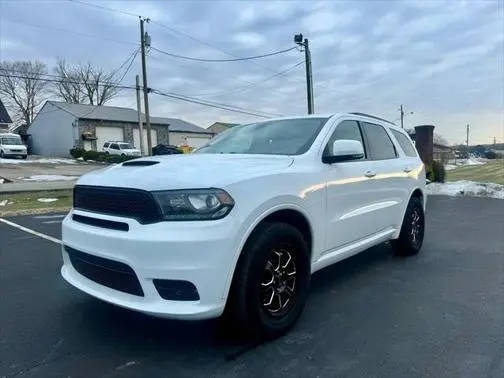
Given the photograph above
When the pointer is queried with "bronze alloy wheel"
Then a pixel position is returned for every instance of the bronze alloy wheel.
(278, 285)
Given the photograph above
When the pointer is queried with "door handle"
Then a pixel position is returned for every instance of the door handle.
(407, 169)
(370, 174)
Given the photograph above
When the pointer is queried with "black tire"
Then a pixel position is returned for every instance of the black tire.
(2, 154)
(412, 230)
(107, 153)
(246, 310)
(24, 157)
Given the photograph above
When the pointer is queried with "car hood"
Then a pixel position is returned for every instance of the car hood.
(14, 146)
(187, 171)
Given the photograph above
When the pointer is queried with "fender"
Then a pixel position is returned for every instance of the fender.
(250, 229)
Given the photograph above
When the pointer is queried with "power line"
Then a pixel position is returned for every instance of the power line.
(206, 104)
(105, 8)
(101, 84)
(67, 31)
(177, 96)
(222, 60)
(246, 87)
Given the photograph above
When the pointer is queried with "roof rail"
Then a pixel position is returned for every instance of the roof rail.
(372, 116)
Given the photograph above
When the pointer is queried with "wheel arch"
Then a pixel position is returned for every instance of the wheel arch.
(289, 213)
(418, 193)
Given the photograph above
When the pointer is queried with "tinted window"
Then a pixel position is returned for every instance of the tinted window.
(281, 137)
(345, 130)
(105, 145)
(379, 143)
(405, 143)
(114, 146)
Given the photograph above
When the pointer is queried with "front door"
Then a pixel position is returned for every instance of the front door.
(350, 192)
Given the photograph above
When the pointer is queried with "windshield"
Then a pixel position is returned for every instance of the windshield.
(125, 146)
(282, 137)
(13, 141)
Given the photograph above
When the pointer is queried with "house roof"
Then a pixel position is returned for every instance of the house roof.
(224, 124)
(114, 113)
(4, 116)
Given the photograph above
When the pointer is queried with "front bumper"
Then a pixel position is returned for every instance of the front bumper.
(200, 252)
(15, 153)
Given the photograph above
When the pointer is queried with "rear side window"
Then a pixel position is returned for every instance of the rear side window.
(405, 143)
(345, 130)
(114, 146)
(379, 144)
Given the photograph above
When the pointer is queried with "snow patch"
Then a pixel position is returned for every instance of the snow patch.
(38, 161)
(466, 188)
(47, 199)
(4, 202)
(49, 178)
(1, 180)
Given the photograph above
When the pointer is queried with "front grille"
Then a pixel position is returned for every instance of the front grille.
(110, 273)
(122, 202)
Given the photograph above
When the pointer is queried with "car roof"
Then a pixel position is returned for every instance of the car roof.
(355, 115)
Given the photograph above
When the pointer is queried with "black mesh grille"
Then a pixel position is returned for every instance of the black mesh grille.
(123, 202)
(110, 273)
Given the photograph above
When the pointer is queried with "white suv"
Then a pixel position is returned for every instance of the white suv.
(120, 148)
(238, 227)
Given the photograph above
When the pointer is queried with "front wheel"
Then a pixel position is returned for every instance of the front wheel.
(412, 230)
(24, 157)
(271, 281)
(2, 154)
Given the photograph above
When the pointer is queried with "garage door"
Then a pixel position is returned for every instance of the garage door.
(105, 134)
(197, 142)
(136, 138)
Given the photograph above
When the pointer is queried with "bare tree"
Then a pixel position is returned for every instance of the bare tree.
(69, 88)
(85, 84)
(22, 85)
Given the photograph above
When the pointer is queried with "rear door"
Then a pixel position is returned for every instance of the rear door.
(389, 189)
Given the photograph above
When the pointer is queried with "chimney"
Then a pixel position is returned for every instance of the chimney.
(424, 140)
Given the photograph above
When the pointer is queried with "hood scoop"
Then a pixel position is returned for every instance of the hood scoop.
(140, 163)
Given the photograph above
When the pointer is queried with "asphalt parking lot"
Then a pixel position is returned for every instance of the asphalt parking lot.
(438, 314)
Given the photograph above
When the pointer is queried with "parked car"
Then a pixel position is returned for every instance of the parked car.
(12, 145)
(238, 227)
(165, 149)
(120, 148)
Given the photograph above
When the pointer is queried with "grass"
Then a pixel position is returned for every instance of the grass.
(27, 202)
(493, 171)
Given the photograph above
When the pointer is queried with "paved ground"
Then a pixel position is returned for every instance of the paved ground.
(16, 169)
(439, 314)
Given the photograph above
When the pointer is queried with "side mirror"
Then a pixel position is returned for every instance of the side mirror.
(344, 150)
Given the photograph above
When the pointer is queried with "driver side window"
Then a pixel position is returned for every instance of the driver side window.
(346, 130)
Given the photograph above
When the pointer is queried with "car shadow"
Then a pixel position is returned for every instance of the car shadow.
(100, 323)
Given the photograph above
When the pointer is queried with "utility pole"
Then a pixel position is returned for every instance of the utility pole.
(402, 117)
(144, 37)
(298, 38)
(467, 140)
(139, 111)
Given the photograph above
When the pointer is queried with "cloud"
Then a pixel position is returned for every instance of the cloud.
(249, 40)
(442, 59)
(325, 20)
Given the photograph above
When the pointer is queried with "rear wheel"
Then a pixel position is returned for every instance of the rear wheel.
(412, 230)
(271, 281)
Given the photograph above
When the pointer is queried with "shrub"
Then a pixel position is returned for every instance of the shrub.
(94, 155)
(77, 152)
(435, 171)
(115, 159)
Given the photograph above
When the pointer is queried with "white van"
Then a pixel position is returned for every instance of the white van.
(12, 145)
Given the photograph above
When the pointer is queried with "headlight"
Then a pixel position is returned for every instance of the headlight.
(194, 204)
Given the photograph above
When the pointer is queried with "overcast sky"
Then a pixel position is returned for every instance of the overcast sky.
(442, 60)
